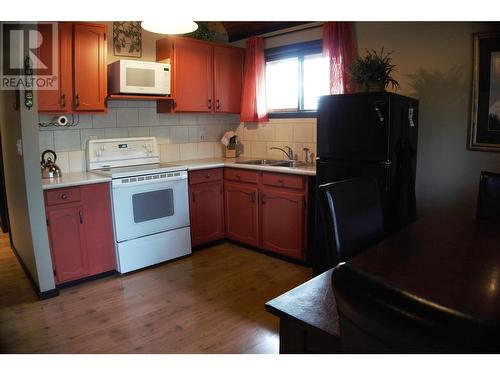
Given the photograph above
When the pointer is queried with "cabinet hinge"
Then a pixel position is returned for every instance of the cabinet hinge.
(47, 219)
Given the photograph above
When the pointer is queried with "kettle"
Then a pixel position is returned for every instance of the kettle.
(49, 167)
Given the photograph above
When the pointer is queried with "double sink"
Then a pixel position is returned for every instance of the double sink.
(274, 163)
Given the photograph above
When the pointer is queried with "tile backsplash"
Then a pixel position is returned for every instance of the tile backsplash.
(298, 133)
(180, 136)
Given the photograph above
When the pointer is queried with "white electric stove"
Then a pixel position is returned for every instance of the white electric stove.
(150, 201)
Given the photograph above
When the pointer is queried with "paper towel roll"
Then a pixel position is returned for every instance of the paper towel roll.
(62, 120)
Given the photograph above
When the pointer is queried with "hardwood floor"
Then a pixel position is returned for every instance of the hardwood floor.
(210, 302)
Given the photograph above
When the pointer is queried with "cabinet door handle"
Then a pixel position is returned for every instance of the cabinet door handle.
(263, 199)
(77, 100)
(209, 103)
(81, 216)
(280, 181)
(253, 195)
(207, 176)
(193, 197)
(238, 176)
(217, 104)
(64, 196)
(63, 100)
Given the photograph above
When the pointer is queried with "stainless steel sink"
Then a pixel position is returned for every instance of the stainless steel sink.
(260, 162)
(290, 164)
(274, 163)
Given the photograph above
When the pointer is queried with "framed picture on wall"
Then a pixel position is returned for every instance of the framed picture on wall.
(127, 39)
(484, 131)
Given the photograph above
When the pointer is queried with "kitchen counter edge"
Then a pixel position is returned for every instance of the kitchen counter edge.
(200, 164)
(73, 179)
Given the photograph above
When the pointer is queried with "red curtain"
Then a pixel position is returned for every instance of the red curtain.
(253, 98)
(339, 45)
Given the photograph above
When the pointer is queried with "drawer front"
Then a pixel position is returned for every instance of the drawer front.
(241, 175)
(283, 180)
(205, 175)
(60, 196)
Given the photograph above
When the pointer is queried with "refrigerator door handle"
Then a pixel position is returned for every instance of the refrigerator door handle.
(379, 114)
(410, 117)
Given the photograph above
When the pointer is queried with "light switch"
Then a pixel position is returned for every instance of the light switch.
(19, 146)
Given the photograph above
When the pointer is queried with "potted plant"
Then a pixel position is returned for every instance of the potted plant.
(373, 72)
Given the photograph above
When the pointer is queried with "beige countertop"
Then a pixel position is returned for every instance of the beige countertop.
(194, 165)
(73, 179)
(84, 178)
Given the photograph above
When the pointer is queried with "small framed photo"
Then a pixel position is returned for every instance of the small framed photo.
(484, 129)
(127, 39)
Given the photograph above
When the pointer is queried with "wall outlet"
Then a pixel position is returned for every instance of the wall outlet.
(202, 134)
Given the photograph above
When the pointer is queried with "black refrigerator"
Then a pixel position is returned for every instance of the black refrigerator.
(368, 134)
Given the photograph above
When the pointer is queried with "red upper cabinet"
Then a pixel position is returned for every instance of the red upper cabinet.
(228, 76)
(206, 77)
(192, 73)
(89, 67)
(82, 81)
(58, 100)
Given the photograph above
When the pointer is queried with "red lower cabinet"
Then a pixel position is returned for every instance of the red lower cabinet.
(80, 231)
(260, 209)
(241, 213)
(283, 217)
(206, 212)
(98, 228)
(67, 244)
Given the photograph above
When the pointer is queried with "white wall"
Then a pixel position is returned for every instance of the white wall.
(434, 64)
(24, 191)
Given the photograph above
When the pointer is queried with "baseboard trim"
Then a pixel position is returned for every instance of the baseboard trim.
(299, 262)
(48, 294)
(41, 295)
(86, 279)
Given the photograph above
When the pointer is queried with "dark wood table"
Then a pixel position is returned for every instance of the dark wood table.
(451, 261)
(448, 260)
(308, 317)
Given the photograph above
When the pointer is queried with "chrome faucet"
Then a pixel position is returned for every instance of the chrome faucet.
(289, 153)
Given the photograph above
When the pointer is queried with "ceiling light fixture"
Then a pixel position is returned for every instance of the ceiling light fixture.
(169, 26)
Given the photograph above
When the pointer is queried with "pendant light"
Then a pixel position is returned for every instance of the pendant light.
(169, 26)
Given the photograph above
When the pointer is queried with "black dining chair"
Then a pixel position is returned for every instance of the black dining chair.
(352, 217)
(375, 317)
(488, 203)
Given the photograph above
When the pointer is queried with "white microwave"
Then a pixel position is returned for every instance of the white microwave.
(139, 77)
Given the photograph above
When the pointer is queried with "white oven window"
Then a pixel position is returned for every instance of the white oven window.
(153, 205)
(140, 77)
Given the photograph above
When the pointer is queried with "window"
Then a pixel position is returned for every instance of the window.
(296, 75)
